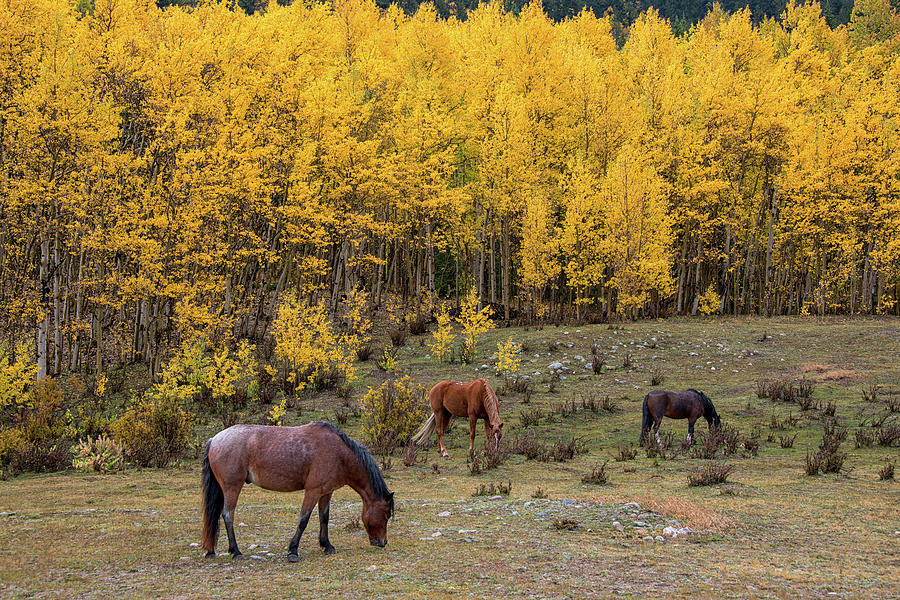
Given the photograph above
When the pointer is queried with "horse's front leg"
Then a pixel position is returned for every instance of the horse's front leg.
(473, 422)
(324, 509)
(690, 437)
(310, 498)
(656, 425)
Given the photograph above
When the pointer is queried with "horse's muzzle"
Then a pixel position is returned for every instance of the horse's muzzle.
(378, 542)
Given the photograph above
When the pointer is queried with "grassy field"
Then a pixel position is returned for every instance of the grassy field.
(769, 531)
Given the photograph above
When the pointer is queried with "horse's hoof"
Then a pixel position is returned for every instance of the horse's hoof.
(330, 550)
(293, 558)
(209, 554)
(444, 455)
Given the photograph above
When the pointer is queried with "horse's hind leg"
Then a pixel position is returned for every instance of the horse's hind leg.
(441, 420)
(309, 501)
(231, 496)
(324, 509)
(656, 425)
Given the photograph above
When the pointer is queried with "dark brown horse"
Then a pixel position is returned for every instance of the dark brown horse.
(689, 404)
(475, 400)
(317, 457)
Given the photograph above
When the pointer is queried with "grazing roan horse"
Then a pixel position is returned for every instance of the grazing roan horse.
(475, 400)
(316, 457)
(689, 404)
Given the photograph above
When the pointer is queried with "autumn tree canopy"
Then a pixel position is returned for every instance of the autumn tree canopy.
(179, 170)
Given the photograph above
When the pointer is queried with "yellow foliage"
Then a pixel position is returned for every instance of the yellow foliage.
(305, 341)
(709, 301)
(392, 413)
(508, 359)
(443, 336)
(474, 322)
(16, 374)
(152, 432)
(277, 412)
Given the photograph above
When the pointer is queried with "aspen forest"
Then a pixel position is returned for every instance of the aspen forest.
(178, 170)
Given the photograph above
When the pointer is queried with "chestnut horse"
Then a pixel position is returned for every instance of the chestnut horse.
(689, 404)
(475, 400)
(316, 457)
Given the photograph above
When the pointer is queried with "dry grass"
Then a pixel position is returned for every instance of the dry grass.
(837, 375)
(699, 518)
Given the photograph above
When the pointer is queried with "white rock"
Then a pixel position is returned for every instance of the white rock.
(660, 538)
(446, 513)
(618, 526)
(670, 531)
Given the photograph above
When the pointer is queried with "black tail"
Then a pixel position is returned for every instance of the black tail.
(213, 502)
(645, 425)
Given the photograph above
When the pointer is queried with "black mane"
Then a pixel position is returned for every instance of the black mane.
(365, 459)
(709, 411)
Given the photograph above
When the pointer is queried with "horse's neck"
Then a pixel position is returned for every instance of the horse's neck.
(490, 406)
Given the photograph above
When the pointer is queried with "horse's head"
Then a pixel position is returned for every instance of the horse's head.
(496, 434)
(375, 518)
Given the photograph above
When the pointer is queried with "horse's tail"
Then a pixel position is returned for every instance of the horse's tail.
(424, 432)
(645, 424)
(213, 502)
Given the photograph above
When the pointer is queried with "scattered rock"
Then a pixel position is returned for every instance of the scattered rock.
(371, 568)
(660, 538)
(446, 513)
(618, 526)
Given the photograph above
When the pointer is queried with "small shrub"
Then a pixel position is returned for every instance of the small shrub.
(539, 493)
(342, 415)
(787, 441)
(656, 377)
(364, 352)
(530, 418)
(388, 360)
(493, 489)
(475, 464)
(398, 337)
(564, 450)
(607, 404)
(806, 403)
(627, 362)
(153, 432)
(42, 456)
(887, 472)
(597, 476)
(870, 393)
(418, 325)
(353, 525)
(597, 361)
(529, 446)
(565, 524)
(392, 413)
(711, 474)
(751, 445)
(624, 453)
(805, 388)
(829, 409)
(864, 438)
(887, 435)
(101, 455)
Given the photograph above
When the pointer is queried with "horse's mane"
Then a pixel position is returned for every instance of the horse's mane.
(489, 399)
(708, 409)
(379, 486)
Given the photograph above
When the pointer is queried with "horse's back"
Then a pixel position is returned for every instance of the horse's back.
(276, 458)
(456, 397)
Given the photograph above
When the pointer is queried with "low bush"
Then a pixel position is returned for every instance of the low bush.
(712, 474)
(597, 476)
(391, 413)
(152, 432)
(101, 454)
